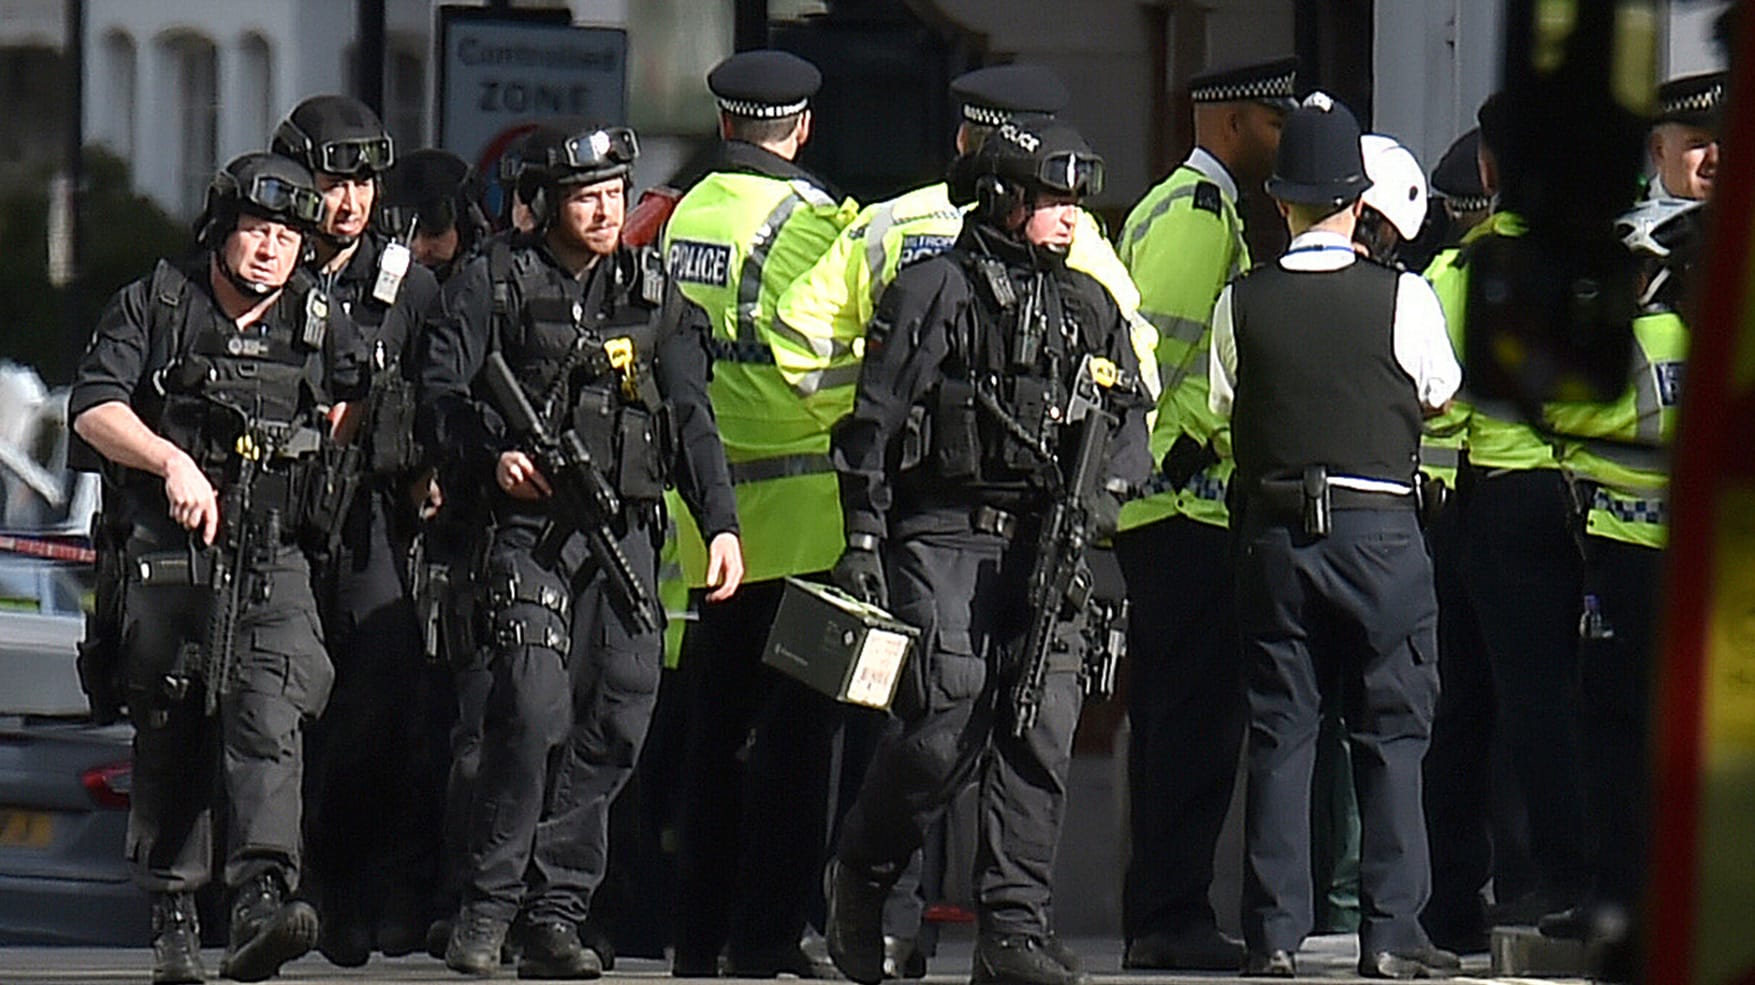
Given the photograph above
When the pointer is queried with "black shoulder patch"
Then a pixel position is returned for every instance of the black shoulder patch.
(1207, 197)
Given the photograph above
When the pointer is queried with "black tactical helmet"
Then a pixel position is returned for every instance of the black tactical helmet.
(335, 135)
(432, 190)
(551, 158)
(1020, 160)
(260, 184)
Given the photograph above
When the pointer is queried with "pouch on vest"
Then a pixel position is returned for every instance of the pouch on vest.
(639, 471)
(1029, 405)
(916, 439)
(956, 436)
(392, 444)
(594, 420)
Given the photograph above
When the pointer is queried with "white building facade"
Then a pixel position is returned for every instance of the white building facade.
(178, 87)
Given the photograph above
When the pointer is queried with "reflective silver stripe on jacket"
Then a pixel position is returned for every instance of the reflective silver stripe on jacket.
(1163, 206)
(780, 467)
(1440, 456)
(749, 283)
(874, 247)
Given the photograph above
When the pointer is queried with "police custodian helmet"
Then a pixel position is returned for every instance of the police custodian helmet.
(333, 134)
(1319, 161)
(552, 158)
(259, 184)
(1022, 159)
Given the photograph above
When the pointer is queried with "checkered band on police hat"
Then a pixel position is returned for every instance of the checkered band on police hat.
(1692, 99)
(1698, 102)
(1273, 80)
(766, 84)
(762, 111)
(986, 116)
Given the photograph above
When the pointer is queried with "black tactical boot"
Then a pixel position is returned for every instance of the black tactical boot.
(476, 939)
(855, 928)
(267, 930)
(176, 940)
(345, 941)
(1019, 959)
(552, 950)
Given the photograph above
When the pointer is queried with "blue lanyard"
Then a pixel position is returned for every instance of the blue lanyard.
(1321, 247)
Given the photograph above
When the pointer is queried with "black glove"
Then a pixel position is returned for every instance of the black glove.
(1186, 457)
(1105, 514)
(860, 573)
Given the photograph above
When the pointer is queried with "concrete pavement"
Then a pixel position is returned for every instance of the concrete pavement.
(1328, 959)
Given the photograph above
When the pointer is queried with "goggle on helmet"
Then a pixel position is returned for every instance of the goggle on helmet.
(348, 155)
(595, 154)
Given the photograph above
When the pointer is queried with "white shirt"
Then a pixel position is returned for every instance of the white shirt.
(1215, 171)
(1422, 346)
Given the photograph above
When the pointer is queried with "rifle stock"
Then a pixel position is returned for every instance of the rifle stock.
(584, 501)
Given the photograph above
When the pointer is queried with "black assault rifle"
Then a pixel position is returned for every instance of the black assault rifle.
(584, 502)
(237, 576)
(1061, 589)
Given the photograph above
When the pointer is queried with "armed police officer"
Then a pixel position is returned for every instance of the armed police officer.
(998, 423)
(1324, 364)
(204, 389)
(574, 387)
(433, 198)
(365, 815)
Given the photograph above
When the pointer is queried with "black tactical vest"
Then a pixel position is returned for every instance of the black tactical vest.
(1317, 378)
(583, 351)
(220, 379)
(990, 428)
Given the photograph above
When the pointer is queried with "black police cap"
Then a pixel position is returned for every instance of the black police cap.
(994, 95)
(765, 84)
(1273, 82)
(1319, 160)
(1695, 100)
(1458, 175)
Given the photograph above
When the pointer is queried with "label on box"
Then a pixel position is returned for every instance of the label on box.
(875, 671)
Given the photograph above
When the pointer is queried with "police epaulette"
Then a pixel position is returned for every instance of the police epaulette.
(1207, 197)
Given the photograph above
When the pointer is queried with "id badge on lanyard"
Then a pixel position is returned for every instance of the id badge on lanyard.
(392, 267)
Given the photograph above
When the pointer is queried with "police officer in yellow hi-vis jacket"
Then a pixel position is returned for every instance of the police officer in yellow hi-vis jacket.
(1182, 242)
(742, 234)
(1521, 577)
(1616, 455)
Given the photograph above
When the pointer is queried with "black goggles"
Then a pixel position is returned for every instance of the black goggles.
(1072, 173)
(599, 150)
(355, 155)
(279, 197)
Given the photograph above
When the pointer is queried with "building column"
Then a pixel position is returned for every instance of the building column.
(157, 147)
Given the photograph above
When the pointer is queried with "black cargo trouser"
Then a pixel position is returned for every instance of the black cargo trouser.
(1186, 713)
(566, 714)
(1356, 608)
(965, 591)
(755, 775)
(370, 821)
(1616, 673)
(1522, 572)
(251, 753)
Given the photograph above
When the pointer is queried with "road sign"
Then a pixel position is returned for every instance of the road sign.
(502, 71)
